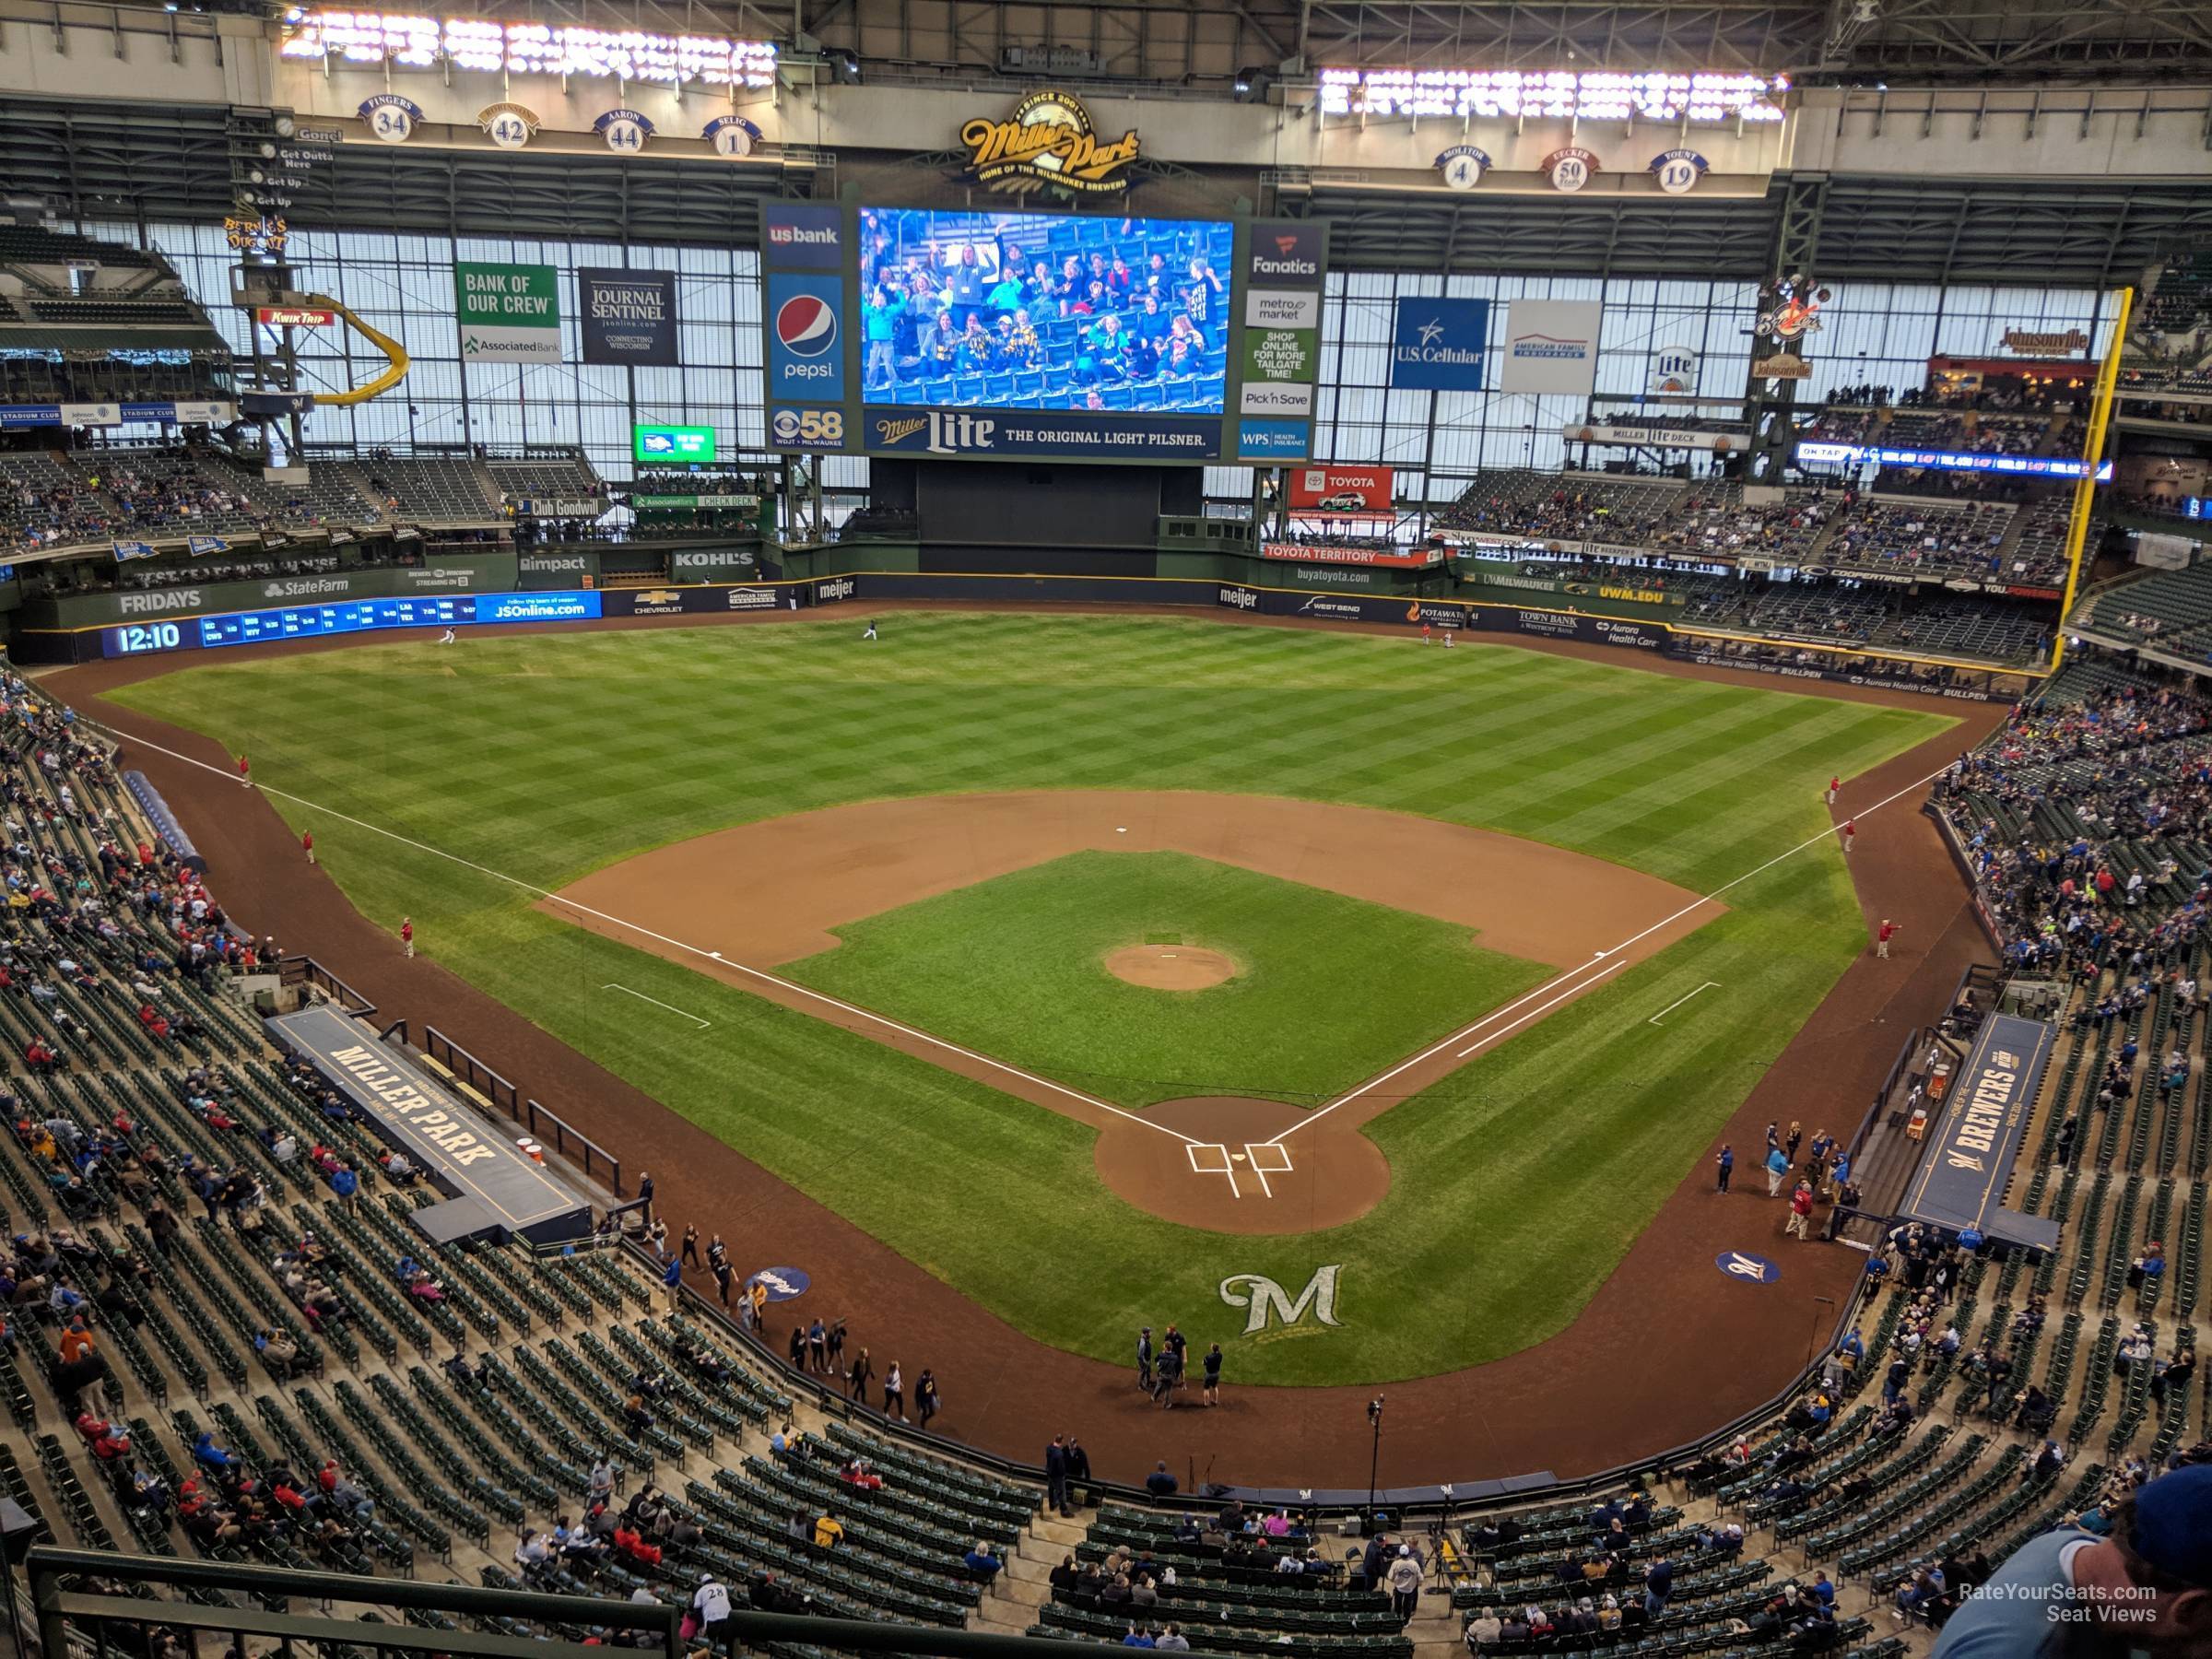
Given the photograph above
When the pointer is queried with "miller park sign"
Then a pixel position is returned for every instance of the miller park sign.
(1048, 143)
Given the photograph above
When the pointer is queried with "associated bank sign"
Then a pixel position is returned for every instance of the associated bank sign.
(1438, 345)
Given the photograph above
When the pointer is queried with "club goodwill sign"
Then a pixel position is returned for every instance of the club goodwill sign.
(629, 317)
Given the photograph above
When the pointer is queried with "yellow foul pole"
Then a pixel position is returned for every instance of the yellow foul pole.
(2092, 452)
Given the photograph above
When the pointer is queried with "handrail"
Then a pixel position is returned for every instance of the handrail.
(273, 1590)
(533, 1114)
(293, 970)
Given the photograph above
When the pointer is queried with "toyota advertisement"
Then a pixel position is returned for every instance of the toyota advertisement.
(1319, 492)
(1019, 334)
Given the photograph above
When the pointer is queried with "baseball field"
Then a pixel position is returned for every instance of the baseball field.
(1099, 897)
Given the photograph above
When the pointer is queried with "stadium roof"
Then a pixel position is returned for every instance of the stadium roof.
(1209, 41)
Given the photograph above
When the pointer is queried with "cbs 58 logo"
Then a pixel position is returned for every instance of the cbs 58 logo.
(824, 427)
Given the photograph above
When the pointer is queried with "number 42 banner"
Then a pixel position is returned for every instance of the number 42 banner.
(508, 314)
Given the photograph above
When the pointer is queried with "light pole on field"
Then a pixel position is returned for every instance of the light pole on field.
(1374, 1462)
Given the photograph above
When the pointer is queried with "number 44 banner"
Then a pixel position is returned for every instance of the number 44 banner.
(508, 314)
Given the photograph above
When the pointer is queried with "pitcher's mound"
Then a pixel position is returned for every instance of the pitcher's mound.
(1170, 967)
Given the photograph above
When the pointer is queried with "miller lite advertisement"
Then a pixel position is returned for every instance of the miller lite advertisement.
(1316, 489)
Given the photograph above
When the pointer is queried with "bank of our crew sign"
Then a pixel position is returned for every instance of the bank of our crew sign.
(508, 314)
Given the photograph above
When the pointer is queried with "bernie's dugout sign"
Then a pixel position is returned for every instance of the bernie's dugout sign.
(489, 1185)
(1970, 1153)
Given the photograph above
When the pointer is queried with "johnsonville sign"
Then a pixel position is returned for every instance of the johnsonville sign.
(2029, 343)
(1048, 143)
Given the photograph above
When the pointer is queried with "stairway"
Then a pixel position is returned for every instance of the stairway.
(1012, 1605)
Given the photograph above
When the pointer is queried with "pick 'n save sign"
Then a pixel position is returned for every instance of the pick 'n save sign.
(508, 314)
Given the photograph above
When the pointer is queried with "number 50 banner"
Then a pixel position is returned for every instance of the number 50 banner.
(508, 314)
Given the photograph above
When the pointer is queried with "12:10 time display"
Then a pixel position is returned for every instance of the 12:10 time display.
(249, 628)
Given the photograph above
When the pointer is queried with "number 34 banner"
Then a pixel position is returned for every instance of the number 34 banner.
(508, 314)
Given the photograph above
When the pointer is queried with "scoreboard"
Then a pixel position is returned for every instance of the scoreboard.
(1020, 335)
(316, 622)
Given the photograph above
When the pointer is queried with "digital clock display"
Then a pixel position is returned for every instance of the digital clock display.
(314, 621)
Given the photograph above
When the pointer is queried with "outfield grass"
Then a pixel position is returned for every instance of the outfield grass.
(1518, 1182)
(1328, 989)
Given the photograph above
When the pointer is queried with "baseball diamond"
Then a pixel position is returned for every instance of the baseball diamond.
(1379, 832)
(558, 763)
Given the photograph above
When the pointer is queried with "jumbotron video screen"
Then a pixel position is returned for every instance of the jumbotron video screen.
(1015, 333)
(1025, 310)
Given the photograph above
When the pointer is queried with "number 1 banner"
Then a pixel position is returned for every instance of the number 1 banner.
(508, 314)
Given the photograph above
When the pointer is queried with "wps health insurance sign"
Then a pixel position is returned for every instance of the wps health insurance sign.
(508, 314)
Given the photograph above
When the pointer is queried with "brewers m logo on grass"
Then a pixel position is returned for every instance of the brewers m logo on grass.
(1047, 144)
(1264, 1300)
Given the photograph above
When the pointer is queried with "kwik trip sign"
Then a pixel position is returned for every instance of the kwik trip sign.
(1048, 143)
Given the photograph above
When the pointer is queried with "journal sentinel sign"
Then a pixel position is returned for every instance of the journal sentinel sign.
(1438, 345)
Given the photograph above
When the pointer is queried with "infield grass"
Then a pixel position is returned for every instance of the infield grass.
(1518, 1182)
(1328, 989)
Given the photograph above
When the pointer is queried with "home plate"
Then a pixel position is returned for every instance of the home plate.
(1238, 1156)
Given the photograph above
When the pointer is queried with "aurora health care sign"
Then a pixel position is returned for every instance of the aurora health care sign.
(508, 314)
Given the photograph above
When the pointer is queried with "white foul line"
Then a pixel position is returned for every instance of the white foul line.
(790, 986)
(703, 1025)
(1708, 985)
(1827, 835)
(1540, 1009)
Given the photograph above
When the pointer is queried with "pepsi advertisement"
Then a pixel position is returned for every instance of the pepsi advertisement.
(806, 359)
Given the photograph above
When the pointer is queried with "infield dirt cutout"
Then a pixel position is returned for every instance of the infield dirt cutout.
(767, 893)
